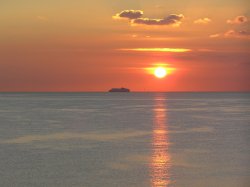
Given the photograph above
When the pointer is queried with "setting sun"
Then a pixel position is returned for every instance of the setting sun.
(160, 72)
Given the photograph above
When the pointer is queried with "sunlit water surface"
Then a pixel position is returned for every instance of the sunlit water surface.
(124, 139)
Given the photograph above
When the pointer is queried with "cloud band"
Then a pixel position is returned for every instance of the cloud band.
(135, 16)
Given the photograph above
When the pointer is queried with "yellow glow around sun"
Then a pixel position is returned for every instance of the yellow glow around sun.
(160, 72)
(160, 69)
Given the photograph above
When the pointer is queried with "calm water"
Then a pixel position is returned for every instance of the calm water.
(125, 139)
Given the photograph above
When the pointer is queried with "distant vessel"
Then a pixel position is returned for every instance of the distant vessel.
(119, 90)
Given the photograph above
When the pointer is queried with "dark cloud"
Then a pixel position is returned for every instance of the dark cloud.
(136, 18)
(130, 14)
(172, 19)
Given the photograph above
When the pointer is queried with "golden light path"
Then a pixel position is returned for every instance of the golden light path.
(172, 50)
(160, 162)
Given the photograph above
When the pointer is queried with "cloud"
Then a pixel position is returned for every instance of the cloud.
(135, 17)
(215, 35)
(202, 21)
(232, 34)
(172, 19)
(172, 50)
(237, 34)
(238, 20)
(129, 14)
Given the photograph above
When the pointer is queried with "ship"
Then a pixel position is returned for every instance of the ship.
(119, 90)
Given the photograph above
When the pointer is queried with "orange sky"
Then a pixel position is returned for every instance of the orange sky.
(54, 45)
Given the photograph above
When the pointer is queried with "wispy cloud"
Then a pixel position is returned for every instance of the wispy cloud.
(202, 21)
(215, 35)
(234, 33)
(135, 17)
(238, 20)
(242, 34)
(171, 50)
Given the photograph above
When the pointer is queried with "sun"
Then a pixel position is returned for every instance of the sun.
(160, 72)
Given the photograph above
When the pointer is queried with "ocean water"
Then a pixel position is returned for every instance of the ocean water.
(125, 139)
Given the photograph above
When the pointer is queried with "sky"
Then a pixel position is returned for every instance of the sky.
(76, 45)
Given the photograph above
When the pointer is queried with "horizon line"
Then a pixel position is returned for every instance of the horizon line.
(232, 91)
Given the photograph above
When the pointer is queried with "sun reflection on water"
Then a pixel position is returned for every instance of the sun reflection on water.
(160, 162)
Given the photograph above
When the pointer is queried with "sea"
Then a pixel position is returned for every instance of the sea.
(125, 139)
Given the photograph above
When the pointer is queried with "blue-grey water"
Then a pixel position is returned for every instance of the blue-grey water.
(124, 139)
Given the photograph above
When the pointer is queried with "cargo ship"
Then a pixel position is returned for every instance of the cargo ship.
(119, 90)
